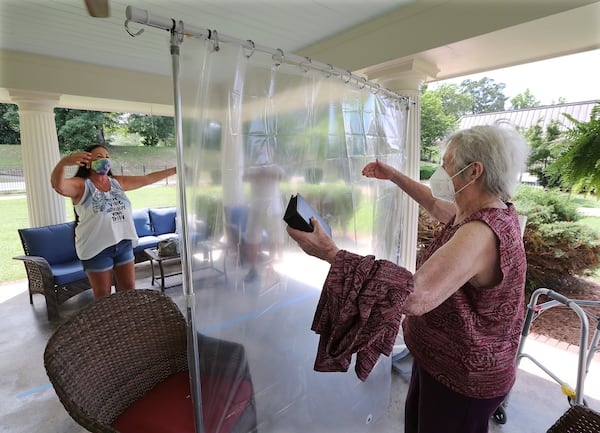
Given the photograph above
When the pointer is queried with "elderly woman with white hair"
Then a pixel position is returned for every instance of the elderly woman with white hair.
(464, 305)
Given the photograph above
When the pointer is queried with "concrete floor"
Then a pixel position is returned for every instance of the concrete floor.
(29, 404)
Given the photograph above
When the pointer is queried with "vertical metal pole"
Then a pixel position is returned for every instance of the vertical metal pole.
(188, 292)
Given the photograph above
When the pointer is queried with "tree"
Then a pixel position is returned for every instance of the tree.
(454, 102)
(9, 124)
(579, 165)
(561, 100)
(78, 129)
(524, 100)
(544, 149)
(488, 97)
(153, 129)
(436, 123)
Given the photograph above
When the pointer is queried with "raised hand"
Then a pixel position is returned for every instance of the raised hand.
(379, 170)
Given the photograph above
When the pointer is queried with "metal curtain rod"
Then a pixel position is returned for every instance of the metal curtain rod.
(142, 16)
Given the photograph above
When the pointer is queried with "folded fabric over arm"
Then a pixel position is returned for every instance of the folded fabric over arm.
(359, 312)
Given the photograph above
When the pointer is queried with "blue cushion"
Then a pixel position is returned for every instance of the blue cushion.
(66, 273)
(163, 220)
(237, 216)
(146, 242)
(141, 220)
(56, 243)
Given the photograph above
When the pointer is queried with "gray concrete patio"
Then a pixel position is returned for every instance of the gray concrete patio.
(29, 404)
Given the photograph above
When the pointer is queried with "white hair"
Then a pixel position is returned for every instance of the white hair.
(502, 151)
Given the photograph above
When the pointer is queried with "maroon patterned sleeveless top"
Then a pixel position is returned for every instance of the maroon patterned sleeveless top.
(469, 342)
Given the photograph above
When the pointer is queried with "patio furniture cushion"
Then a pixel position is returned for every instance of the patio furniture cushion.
(167, 408)
(65, 273)
(163, 220)
(55, 243)
(147, 242)
(141, 220)
(110, 381)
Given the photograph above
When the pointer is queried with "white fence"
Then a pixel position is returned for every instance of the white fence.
(12, 179)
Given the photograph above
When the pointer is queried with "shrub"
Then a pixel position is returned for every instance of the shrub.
(335, 203)
(208, 208)
(555, 244)
(544, 207)
(426, 170)
(557, 250)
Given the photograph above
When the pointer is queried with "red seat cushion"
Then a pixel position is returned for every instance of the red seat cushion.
(167, 408)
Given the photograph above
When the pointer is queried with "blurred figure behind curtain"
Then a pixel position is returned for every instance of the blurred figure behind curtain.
(265, 222)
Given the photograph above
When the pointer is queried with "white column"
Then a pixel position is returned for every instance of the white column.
(39, 146)
(406, 78)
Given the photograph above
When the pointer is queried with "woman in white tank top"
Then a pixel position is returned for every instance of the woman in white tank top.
(105, 233)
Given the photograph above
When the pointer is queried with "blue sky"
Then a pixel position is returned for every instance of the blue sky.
(574, 77)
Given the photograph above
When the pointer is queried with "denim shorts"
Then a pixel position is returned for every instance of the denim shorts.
(110, 257)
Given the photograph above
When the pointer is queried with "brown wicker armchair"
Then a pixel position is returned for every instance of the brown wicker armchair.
(53, 268)
(578, 419)
(113, 357)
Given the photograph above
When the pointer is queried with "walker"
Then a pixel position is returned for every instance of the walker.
(586, 353)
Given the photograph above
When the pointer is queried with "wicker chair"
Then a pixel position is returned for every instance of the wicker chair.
(114, 354)
(578, 419)
(52, 266)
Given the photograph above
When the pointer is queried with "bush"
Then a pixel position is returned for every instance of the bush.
(426, 169)
(544, 207)
(555, 244)
(557, 250)
(208, 208)
(335, 203)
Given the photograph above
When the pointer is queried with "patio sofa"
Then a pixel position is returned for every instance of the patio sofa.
(51, 262)
(152, 226)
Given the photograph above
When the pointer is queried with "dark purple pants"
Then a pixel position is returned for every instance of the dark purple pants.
(434, 408)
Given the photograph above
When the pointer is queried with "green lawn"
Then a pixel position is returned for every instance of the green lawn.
(129, 155)
(13, 216)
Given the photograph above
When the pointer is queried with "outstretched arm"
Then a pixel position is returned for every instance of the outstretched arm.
(442, 274)
(134, 182)
(439, 209)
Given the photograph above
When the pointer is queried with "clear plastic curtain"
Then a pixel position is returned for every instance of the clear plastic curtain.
(256, 131)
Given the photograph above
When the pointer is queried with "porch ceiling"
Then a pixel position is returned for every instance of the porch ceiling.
(54, 46)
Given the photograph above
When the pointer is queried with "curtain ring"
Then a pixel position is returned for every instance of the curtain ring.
(330, 72)
(278, 58)
(182, 34)
(214, 36)
(377, 88)
(349, 77)
(252, 48)
(133, 35)
(304, 66)
(361, 80)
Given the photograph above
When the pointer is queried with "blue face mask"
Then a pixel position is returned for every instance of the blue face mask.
(101, 166)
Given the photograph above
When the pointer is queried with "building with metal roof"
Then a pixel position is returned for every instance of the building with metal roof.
(528, 117)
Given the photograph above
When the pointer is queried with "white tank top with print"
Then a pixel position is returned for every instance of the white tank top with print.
(105, 219)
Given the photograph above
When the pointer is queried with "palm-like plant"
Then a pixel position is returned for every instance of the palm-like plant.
(579, 165)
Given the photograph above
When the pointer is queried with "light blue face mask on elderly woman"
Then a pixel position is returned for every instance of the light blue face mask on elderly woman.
(101, 166)
(442, 186)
